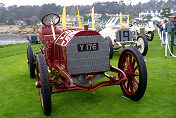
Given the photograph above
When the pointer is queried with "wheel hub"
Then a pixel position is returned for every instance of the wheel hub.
(141, 46)
(129, 72)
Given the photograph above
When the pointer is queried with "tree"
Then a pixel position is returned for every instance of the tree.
(85, 18)
(148, 17)
(34, 20)
(2, 7)
(49, 8)
(20, 12)
(133, 15)
(166, 12)
(10, 21)
(73, 11)
(3, 16)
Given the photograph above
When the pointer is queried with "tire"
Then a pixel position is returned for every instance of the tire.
(108, 39)
(143, 47)
(43, 78)
(132, 63)
(31, 65)
(150, 35)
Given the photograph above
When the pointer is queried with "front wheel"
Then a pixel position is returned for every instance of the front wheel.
(150, 35)
(143, 44)
(43, 78)
(132, 63)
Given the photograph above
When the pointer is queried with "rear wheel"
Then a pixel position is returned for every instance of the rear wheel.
(109, 41)
(31, 65)
(143, 44)
(150, 35)
(43, 78)
(132, 63)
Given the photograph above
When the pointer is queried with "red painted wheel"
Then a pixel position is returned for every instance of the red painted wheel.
(132, 63)
(43, 79)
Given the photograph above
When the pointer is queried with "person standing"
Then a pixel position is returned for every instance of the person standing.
(174, 26)
(164, 30)
(169, 25)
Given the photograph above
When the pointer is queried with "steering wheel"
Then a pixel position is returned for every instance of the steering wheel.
(50, 19)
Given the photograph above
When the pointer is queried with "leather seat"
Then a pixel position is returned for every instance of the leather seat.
(46, 32)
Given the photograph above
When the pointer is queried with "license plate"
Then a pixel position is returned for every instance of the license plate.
(87, 47)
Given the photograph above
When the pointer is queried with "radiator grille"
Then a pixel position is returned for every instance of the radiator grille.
(87, 61)
(123, 35)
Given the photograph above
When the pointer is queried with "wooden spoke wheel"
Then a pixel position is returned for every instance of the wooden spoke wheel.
(143, 47)
(43, 79)
(132, 63)
(150, 35)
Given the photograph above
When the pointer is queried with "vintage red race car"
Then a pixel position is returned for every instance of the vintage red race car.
(74, 58)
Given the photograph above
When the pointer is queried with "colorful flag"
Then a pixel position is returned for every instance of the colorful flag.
(64, 17)
(93, 27)
(121, 17)
(79, 19)
(117, 22)
(128, 20)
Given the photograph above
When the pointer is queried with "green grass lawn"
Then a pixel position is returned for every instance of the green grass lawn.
(19, 98)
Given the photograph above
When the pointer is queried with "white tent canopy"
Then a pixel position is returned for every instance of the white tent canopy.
(156, 19)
